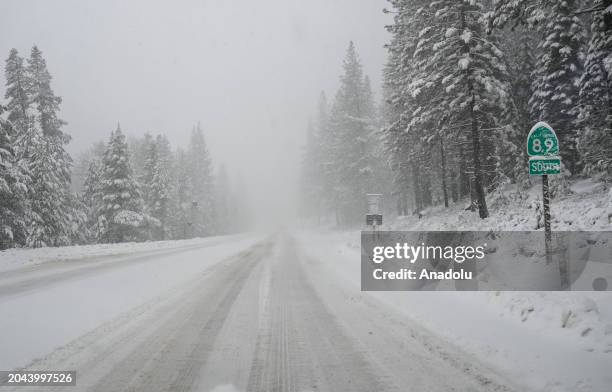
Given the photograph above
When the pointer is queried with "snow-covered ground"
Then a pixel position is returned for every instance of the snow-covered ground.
(553, 341)
(133, 315)
(587, 207)
(268, 317)
(45, 308)
(17, 258)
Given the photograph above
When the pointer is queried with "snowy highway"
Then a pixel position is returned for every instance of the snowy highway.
(240, 314)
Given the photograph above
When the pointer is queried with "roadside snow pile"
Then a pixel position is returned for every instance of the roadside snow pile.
(584, 318)
(11, 259)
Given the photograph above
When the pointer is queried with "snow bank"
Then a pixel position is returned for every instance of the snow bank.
(12, 259)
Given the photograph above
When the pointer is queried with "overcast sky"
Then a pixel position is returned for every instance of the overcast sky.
(249, 70)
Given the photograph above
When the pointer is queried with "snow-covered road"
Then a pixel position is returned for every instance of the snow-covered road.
(246, 314)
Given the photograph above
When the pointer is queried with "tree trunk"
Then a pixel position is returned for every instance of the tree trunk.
(483, 212)
(443, 156)
(478, 180)
(416, 186)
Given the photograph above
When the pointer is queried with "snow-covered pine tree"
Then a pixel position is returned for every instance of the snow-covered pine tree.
(460, 79)
(42, 96)
(147, 158)
(91, 198)
(20, 118)
(50, 214)
(14, 176)
(160, 188)
(516, 12)
(324, 137)
(83, 161)
(122, 206)
(352, 150)
(17, 88)
(595, 142)
(13, 190)
(183, 197)
(402, 144)
(557, 75)
(201, 179)
(519, 47)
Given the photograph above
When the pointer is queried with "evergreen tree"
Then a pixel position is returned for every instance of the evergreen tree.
(558, 70)
(148, 162)
(402, 145)
(42, 96)
(122, 206)
(80, 169)
(51, 214)
(530, 12)
(140, 150)
(351, 149)
(17, 128)
(595, 143)
(13, 190)
(460, 78)
(183, 197)
(519, 46)
(50, 222)
(322, 154)
(17, 87)
(92, 200)
(201, 182)
(160, 187)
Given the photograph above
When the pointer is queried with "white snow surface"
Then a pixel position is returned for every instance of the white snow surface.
(40, 320)
(586, 208)
(16, 258)
(520, 334)
(553, 341)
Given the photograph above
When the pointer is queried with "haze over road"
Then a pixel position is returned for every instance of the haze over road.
(247, 313)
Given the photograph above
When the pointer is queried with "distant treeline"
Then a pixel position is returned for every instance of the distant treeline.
(146, 191)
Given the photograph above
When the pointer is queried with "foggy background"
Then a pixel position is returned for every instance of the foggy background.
(250, 72)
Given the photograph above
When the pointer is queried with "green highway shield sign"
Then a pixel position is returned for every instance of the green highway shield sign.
(542, 141)
(541, 166)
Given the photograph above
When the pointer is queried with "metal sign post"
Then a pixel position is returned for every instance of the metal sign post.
(547, 230)
(543, 151)
(374, 216)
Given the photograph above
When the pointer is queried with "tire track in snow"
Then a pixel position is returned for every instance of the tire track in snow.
(172, 356)
(302, 347)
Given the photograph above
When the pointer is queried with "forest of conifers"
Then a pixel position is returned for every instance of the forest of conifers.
(463, 84)
(119, 190)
